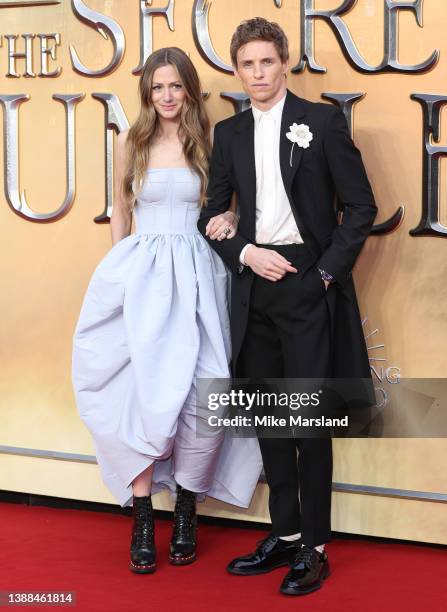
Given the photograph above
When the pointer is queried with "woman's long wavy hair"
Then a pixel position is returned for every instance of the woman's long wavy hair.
(194, 129)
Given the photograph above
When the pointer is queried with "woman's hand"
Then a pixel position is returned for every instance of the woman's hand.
(222, 226)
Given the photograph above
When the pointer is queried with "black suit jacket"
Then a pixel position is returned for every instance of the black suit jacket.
(330, 170)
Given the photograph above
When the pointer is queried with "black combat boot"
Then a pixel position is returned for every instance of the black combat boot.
(142, 547)
(183, 542)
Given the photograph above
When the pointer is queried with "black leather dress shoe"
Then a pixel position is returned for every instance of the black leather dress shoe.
(270, 553)
(182, 549)
(308, 571)
(142, 546)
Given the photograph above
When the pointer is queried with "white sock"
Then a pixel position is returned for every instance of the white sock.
(319, 548)
(291, 538)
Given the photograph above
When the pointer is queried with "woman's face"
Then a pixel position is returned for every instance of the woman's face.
(168, 93)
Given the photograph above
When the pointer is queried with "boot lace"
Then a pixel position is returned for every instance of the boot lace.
(183, 514)
(144, 527)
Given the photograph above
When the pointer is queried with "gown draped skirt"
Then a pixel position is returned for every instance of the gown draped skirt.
(155, 319)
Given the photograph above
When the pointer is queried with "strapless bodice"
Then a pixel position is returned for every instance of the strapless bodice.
(168, 202)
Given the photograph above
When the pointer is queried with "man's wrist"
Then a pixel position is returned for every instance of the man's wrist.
(243, 252)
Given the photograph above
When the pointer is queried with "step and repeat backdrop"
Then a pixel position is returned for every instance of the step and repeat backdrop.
(68, 84)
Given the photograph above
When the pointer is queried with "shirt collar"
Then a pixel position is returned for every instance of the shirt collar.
(275, 111)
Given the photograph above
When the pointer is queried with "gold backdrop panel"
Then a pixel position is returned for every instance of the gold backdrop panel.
(46, 266)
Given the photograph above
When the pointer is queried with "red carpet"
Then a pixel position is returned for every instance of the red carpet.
(87, 552)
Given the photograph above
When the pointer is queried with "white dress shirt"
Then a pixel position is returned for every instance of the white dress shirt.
(275, 223)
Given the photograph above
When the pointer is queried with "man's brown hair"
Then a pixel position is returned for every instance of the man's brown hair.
(259, 28)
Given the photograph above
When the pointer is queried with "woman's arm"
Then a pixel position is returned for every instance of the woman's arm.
(121, 219)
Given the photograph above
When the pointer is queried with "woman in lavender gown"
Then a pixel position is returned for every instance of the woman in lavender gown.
(155, 319)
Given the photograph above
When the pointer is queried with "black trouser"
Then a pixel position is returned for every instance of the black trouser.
(288, 335)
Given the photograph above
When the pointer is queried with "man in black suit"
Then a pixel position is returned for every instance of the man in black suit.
(294, 312)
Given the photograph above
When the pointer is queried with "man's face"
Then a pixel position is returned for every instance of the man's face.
(261, 71)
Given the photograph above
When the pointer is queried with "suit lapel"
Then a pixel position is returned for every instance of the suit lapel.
(293, 111)
(244, 154)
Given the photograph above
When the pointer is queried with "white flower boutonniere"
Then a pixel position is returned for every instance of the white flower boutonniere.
(300, 135)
